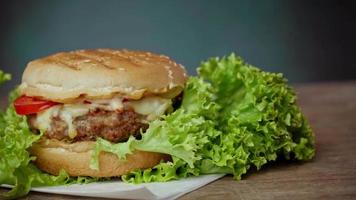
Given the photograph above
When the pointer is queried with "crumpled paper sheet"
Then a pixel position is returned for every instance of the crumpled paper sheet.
(121, 190)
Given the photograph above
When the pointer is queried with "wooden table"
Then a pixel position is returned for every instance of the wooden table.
(331, 110)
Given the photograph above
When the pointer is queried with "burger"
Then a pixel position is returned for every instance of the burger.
(74, 98)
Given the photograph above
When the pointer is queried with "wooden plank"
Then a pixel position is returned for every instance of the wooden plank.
(331, 110)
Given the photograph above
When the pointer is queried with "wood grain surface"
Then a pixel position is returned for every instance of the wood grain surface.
(331, 110)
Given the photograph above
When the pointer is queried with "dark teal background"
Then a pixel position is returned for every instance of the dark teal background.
(307, 41)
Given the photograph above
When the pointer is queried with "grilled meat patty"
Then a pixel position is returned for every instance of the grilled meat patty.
(114, 126)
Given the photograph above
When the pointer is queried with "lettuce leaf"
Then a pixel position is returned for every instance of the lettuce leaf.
(259, 115)
(4, 77)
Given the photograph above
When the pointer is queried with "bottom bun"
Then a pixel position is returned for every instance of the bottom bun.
(53, 156)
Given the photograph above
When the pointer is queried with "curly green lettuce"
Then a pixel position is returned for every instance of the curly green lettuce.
(233, 117)
(259, 114)
(4, 77)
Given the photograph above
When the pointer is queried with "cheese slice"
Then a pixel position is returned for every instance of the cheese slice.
(69, 112)
(43, 119)
(152, 107)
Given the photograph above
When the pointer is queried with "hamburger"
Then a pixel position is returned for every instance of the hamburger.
(74, 98)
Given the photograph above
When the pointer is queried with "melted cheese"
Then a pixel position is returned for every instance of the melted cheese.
(69, 112)
(43, 119)
(151, 107)
(107, 104)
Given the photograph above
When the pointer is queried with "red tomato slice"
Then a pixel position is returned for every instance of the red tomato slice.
(25, 105)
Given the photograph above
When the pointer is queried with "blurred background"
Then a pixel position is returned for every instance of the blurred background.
(308, 41)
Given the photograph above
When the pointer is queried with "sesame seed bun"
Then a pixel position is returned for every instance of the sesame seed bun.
(53, 156)
(102, 73)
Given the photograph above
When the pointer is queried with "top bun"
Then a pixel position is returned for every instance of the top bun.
(102, 73)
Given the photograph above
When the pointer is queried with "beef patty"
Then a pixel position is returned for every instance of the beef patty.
(114, 126)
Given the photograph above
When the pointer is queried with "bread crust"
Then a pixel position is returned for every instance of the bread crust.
(102, 73)
(53, 156)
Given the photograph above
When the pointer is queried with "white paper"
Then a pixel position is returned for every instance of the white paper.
(118, 189)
